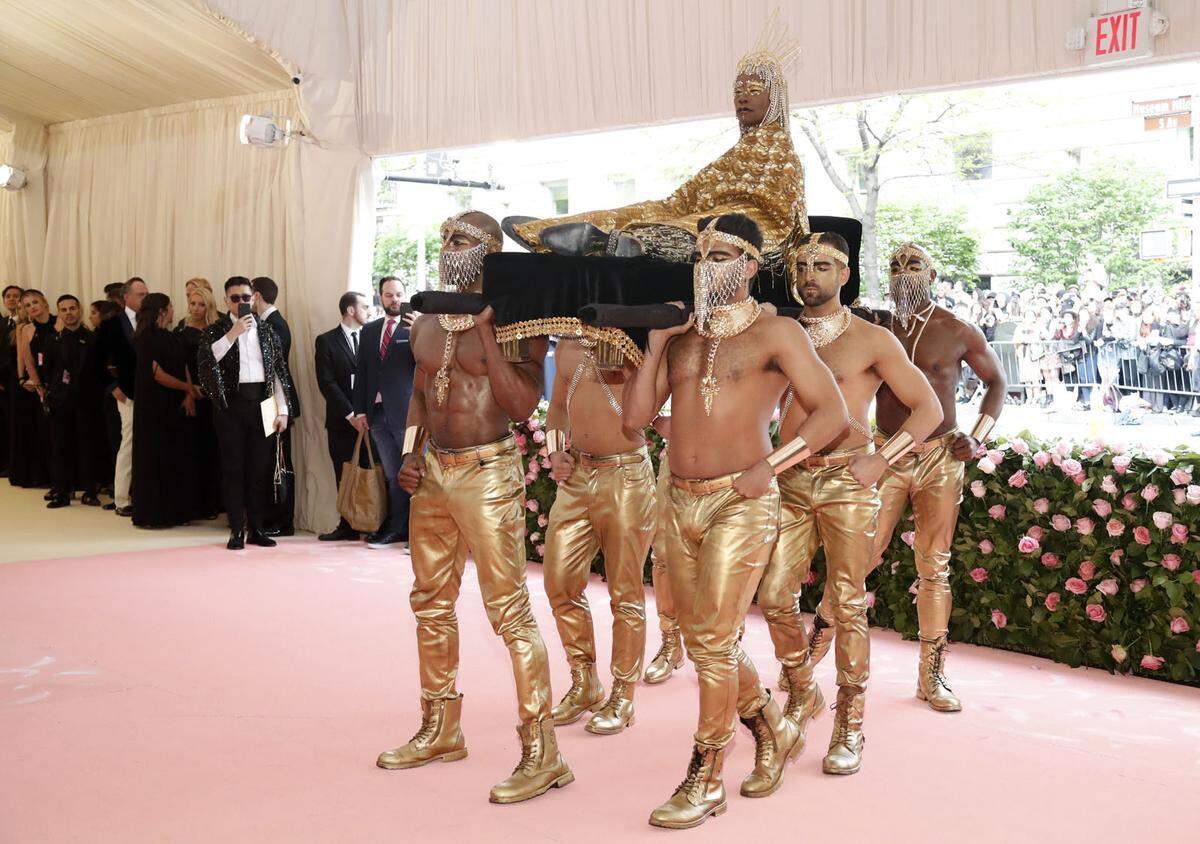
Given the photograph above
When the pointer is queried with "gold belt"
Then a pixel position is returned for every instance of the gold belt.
(461, 456)
(921, 448)
(704, 486)
(836, 458)
(596, 461)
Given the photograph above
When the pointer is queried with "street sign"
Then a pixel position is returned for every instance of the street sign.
(1157, 108)
(1168, 121)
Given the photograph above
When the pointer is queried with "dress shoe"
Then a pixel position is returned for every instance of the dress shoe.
(341, 533)
(617, 712)
(284, 531)
(575, 239)
(49, 496)
(541, 767)
(585, 694)
(776, 742)
(700, 796)
(668, 659)
(58, 502)
(270, 531)
(126, 512)
(237, 540)
(257, 537)
(91, 499)
(508, 226)
(438, 738)
(931, 682)
(109, 506)
(383, 538)
(846, 743)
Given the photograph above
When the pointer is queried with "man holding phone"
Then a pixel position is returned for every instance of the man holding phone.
(241, 366)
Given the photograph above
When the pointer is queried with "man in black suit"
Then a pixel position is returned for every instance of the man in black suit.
(281, 517)
(382, 388)
(73, 396)
(116, 361)
(8, 324)
(336, 361)
(241, 365)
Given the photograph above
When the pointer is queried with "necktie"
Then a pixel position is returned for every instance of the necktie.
(387, 339)
(354, 342)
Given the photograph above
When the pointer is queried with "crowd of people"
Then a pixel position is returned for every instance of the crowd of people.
(1134, 348)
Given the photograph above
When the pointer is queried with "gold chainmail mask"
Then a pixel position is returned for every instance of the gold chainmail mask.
(457, 272)
(910, 291)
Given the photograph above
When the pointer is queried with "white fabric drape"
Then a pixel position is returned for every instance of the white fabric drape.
(23, 212)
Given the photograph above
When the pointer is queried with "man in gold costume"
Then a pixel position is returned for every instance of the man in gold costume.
(724, 377)
(930, 475)
(670, 653)
(760, 176)
(605, 501)
(463, 469)
(830, 499)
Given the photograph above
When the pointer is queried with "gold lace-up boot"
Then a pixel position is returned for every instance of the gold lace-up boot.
(583, 696)
(540, 769)
(776, 742)
(668, 659)
(617, 712)
(700, 795)
(804, 705)
(846, 743)
(439, 737)
(931, 682)
(818, 645)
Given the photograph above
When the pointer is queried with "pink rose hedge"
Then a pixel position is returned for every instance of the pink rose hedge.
(1091, 558)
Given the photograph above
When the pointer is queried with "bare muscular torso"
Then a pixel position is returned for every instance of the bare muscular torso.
(595, 426)
(940, 351)
(735, 436)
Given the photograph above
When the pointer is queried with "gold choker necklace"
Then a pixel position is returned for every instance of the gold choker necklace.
(454, 324)
(825, 329)
(724, 321)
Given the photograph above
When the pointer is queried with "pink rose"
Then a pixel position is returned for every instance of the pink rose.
(978, 489)
(1017, 479)
(1129, 502)
(1019, 446)
(1087, 569)
(535, 469)
(1171, 562)
(1085, 526)
(1116, 555)
(1193, 494)
(1092, 449)
(1179, 533)
(1162, 520)
(995, 455)
(1121, 463)
(1119, 654)
(1072, 467)
(986, 547)
(812, 577)
(542, 520)
(1115, 527)
(1180, 625)
(545, 462)
(986, 465)
(1036, 532)
(913, 588)
(1179, 494)
(1052, 601)
(1063, 448)
(1160, 457)
(1028, 545)
(1198, 646)
(540, 550)
(535, 536)
(1108, 586)
(1196, 576)
(870, 600)
(1102, 508)
(1152, 663)
(999, 619)
(1096, 613)
(531, 505)
(909, 537)
(534, 424)
(1150, 492)
(997, 511)
(1060, 523)
(1040, 459)
(1138, 585)
(1076, 586)
(1141, 535)
(979, 575)
(539, 436)
(1050, 561)
(1041, 505)
(1181, 476)
(1109, 485)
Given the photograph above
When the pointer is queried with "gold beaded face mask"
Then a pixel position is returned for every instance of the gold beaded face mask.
(458, 270)
(715, 282)
(909, 288)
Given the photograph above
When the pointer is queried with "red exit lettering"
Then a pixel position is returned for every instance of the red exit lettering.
(1117, 33)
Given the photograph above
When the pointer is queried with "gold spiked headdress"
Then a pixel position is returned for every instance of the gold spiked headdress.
(774, 51)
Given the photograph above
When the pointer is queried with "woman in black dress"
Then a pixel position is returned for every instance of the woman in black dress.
(164, 489)
(202, 312)
(29, 464)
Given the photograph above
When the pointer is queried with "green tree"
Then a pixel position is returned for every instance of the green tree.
(1092, 215)
(396, 254)
(943, 231)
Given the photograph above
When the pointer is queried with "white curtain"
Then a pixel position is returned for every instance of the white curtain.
(23, 212)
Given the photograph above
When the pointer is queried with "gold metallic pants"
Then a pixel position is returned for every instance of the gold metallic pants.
(718, 545)
(474, 499)
(822, 505)
(607, 503)
(668, 619)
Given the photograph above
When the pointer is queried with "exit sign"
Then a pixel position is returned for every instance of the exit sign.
(1118, 37)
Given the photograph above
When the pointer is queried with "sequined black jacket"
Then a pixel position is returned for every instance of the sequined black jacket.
(219, 378)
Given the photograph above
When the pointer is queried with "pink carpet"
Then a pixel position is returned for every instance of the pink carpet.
(199, 695)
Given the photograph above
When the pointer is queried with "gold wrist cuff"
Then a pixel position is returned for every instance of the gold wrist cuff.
(788, 455)
(414, 439)
(896, 447)
(983, 427)
(556, 440)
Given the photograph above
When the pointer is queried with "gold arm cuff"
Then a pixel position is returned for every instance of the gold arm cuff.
(788, 455)
(414, 439)
(556, 440)
(983, 427)
(896, 447)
